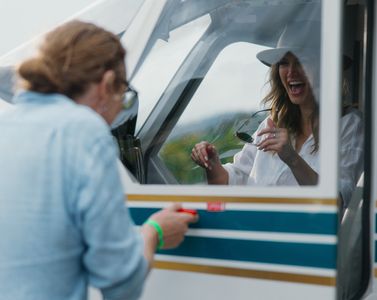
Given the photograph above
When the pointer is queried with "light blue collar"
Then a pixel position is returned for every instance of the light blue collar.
(26, 96)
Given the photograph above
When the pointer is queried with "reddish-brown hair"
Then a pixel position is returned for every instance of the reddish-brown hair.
(72, 56)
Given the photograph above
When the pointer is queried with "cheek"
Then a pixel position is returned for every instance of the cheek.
(118, 102)
(118, 107)
(283, 77)
(115, 108)
(309, 73)
(282, 74)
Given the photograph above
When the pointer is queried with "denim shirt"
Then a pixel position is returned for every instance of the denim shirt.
(63, 221)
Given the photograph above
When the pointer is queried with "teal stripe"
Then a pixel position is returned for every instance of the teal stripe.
(290, 222)
(296, 254)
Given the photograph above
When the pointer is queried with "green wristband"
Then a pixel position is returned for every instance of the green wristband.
(160, 233)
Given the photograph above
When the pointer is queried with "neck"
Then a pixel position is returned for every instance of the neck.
(89, 98)
(307, 108)
(307, 118)
(306, 113)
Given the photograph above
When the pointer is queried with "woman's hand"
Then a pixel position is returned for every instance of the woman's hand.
(277, 140)
(205, 155)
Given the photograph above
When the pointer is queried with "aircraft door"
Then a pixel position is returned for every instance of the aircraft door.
(203, 76)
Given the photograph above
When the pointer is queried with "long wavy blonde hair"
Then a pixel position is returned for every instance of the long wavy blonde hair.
(284, 113)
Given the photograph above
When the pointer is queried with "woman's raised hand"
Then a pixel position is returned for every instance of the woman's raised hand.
(205, 155)
(276, 140)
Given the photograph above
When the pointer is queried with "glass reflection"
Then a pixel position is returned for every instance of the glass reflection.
(284, 148)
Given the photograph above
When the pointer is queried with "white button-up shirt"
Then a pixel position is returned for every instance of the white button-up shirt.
(254, 167)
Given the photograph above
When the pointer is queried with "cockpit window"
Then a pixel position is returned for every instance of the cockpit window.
(164, 59)
(208, 67)
(231, 92)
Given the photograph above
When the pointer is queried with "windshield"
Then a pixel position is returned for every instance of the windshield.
(207, 67)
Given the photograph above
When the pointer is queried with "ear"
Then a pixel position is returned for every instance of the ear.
(106, 85)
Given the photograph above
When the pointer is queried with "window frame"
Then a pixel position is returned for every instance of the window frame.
(327, 188)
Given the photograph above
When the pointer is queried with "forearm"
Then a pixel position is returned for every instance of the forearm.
(217, 175)
(150, 243)
(303, 173)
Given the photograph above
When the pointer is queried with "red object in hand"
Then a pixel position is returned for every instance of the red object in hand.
(188, 211)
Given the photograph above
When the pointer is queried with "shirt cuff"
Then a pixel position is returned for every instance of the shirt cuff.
(132, 288)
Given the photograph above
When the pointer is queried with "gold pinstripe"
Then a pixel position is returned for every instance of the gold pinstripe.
(236, 199)
(228, 271)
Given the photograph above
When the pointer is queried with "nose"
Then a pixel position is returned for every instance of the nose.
(293, 67)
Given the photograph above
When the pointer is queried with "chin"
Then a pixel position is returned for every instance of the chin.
(296, 100)
(299, 99)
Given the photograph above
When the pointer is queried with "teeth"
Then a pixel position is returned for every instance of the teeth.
(295, 82)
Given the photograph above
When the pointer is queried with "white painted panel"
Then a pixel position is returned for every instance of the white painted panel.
(189, 286)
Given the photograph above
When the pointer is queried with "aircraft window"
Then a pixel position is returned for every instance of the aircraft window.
(163, 62)
(232, 89)
(203, 75)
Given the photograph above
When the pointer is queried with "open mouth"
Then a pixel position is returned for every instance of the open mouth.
(296, 87)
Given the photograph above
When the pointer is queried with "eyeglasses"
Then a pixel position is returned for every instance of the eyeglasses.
(130, 96)
(246, 130)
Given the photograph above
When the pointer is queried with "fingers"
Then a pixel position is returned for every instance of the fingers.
(211, 150)
(202, 152)
(270, 130)
(269, 144)
(174, 224)
(271, 136)
(199, 153)
(174, 206)
(189, 218)
(186, 215)
(274, 139)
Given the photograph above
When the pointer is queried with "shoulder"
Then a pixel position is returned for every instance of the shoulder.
(84, 118)
(60, 117)
(75, 122)
(352, 120)
(55, 110)
(351, 115)
(85, 127)
(65, 114)
(351, 128)
(87, 138)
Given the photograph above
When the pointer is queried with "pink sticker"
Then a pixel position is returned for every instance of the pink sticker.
(215, 206)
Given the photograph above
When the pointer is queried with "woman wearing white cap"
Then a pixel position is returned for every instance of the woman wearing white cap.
(285, 148)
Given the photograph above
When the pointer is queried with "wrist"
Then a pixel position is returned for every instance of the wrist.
(150, 235)
(218, 175)
(157, 231)
(292, 160)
